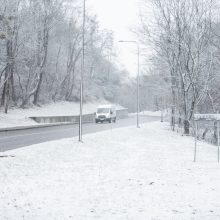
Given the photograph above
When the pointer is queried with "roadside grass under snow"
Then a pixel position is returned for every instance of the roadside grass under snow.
(126, 173)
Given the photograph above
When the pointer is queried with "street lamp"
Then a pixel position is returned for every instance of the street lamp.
(138, 75)
(82, 71)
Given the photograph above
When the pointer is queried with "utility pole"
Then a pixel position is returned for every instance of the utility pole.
(138, 85)
(82, 72)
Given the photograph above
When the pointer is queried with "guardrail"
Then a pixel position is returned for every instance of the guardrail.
(122, 113)
(87, 118)
(50, 121)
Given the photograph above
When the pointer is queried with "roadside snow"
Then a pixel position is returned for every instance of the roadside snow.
(13, 120)
(20, 117)
(152, 113)
(126, 173)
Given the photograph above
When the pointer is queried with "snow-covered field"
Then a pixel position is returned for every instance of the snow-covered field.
(20, 117)
(126, 173)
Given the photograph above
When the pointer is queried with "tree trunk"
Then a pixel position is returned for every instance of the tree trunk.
(215, 132)
(173, 111)
(6, 98)
(37, 93)
(186, 126)
(8, 75)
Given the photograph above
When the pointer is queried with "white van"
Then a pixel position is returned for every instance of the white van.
(105, 113)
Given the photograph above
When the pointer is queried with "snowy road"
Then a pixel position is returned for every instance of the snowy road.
(16, 139)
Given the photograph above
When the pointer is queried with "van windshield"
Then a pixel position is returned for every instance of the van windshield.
(103, 110)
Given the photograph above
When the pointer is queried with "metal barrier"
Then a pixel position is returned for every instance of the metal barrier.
(87, 118)
(122, 113)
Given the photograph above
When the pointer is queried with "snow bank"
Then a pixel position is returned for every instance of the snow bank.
(156, 113)
(150, 113)
(121, 174)
(19, 117)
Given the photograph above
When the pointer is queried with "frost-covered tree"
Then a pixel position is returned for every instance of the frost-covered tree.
(181, 37)
(40, 54)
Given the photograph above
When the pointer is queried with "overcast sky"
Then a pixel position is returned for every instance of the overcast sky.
(119, 16)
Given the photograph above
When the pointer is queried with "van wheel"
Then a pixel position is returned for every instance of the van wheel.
(110, 121)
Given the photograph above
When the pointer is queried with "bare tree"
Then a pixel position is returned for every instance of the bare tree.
(183, 42)
(9, 35)
(40, 54)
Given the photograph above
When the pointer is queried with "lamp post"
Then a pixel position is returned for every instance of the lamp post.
(82, 71)
(138, 76)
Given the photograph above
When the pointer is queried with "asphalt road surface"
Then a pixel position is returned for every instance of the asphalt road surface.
(21, 138)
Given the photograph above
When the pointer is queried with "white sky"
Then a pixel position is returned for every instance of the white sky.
(119, 16)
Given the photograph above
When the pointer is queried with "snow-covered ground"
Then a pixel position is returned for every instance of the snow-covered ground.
(126, 173)
(20, 117)
(153, 113)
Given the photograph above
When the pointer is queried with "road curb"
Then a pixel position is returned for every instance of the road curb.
(39, 126)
